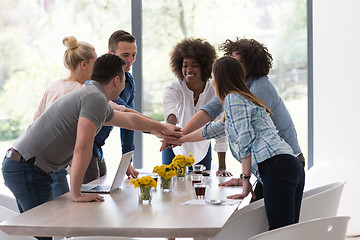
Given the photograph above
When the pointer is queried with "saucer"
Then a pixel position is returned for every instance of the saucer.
(215, 201)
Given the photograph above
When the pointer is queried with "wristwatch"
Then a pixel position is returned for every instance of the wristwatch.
(243, 176)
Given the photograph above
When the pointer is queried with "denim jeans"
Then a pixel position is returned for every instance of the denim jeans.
(59, 185)
(259, 188)
(283, 179)
(168, 155)
(30, 185)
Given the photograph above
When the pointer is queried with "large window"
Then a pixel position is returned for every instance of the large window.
(31, 52)
(279, 24)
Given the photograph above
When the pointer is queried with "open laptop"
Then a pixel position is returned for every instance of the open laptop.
(118, 179)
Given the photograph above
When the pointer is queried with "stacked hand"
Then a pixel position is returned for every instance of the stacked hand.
(170, 143)
(170, 131)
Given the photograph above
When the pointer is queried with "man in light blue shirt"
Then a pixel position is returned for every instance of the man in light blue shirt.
(262, 88)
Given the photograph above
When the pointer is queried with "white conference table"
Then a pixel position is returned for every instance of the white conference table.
(121, 214)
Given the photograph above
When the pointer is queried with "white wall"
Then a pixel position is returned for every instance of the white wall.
(336, 37)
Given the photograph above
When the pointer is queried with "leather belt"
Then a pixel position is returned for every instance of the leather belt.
(15, 156)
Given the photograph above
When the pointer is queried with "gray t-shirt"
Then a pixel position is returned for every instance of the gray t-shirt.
(51, 138)
(262, 88)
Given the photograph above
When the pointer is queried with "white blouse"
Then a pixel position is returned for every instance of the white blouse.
(178, 99)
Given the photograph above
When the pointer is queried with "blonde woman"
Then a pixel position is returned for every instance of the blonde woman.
(79, 59)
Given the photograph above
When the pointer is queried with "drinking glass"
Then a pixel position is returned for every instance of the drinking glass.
(200, 190)
(198, 168)
(196, 178)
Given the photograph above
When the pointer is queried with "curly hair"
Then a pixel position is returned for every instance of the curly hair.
(256, 57)
(199, 49)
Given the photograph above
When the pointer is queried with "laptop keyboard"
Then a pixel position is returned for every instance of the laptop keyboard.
(100, 188)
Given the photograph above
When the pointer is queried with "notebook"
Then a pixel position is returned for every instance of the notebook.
(118, 179)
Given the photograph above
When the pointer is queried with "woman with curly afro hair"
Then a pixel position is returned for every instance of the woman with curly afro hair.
(191, 62)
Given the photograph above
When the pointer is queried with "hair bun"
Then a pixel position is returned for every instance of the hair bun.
(70, 42)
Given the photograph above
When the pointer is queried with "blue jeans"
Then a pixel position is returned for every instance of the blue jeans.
(30, 185)
(59, 185)
(283, 179)
(168, 155)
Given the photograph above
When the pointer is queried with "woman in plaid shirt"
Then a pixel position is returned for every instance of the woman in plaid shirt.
(254, 141)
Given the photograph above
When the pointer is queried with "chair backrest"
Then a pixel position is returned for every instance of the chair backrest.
(6, 213)
(8, 201)
(317, 190)
(333, 228)
(321, 202)
(245, 223)
(247, 208)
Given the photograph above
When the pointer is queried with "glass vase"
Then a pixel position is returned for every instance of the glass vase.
(166, 184)
(145, 194)
(181, 173)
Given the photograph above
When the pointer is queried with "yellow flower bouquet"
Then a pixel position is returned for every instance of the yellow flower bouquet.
(145, 183)
(183, 162)
(166, 172)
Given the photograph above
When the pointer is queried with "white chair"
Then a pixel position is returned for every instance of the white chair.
(6, 213)
(99, 237)
(321, 202)
(7, 199)
(251, 219)
(333, 228)
(245, 223)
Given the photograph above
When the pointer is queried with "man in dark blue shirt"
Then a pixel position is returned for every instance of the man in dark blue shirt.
(122, 44)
